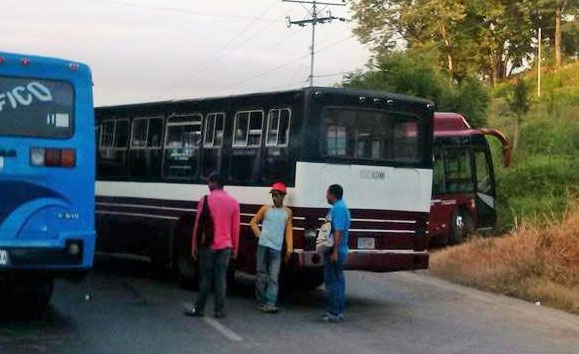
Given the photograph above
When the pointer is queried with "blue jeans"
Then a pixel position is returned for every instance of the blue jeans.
(335, 283)
(212, 270)
(268, 265)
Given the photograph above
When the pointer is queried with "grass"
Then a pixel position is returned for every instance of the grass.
(532, 263)
(544, 175)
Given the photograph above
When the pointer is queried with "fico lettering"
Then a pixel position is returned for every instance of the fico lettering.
(25, 95)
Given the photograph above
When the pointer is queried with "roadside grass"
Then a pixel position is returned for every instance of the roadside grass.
(535, 263)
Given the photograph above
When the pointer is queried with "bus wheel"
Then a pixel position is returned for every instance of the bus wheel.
(41, 295)
(459, 227)
(34, 297)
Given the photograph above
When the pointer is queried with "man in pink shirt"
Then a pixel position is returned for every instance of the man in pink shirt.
(215, 244)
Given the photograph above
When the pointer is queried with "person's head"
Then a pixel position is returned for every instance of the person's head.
(216, 181)
(335, 193)
(278, 193)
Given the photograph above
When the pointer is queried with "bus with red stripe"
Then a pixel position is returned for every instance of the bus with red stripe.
(464, 188)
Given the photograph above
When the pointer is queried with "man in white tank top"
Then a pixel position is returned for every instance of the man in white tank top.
(276, 222)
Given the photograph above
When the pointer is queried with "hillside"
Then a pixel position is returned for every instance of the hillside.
(537, 258)
(545, 173)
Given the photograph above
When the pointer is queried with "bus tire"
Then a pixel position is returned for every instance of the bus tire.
(186, 268)
(41, 297)
(34, 297)
(460, 227)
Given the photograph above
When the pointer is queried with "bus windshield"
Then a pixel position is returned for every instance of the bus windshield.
(36, 108)
(371, 135)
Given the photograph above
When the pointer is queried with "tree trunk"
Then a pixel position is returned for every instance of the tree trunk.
(448, 45)
(558, 13)
(516, 137)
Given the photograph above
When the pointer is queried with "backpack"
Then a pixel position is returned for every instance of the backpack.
(325, 239)
(205, 227)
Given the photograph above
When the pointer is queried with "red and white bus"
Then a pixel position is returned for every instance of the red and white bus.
(463, 191)
(154, 160)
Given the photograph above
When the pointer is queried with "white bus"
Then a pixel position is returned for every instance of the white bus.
(154, 160)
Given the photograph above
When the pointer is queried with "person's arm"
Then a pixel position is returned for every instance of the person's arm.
(289, 236)
(339, 219)
(257, 218)
(235, 226)
(195, 228)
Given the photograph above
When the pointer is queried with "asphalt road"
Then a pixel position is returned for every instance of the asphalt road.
(132, 311)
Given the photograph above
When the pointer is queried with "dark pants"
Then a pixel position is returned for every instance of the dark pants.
(268, 265)
(335, 283)
(212, 270)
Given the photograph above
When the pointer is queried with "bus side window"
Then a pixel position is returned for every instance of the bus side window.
(145, 154)
(483, 176)
(245, 152)
(438, 184)
(182, 143)
(213, 143)
(276, 166)
(458, 171)
(113, 147)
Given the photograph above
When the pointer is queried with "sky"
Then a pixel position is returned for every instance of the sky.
(151, 50)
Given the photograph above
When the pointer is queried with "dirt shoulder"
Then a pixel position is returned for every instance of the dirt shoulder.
(535, 264)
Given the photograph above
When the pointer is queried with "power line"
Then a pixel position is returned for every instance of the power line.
(314, 21)
(290, 62)
(185, 11)
(221, 49)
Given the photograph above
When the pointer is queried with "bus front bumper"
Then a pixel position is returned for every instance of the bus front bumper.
(69, 257)
(368, 260)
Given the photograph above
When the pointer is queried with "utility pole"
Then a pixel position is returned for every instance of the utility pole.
(539, 65)
(314, 20)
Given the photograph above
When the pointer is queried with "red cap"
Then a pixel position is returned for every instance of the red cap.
(279, 187)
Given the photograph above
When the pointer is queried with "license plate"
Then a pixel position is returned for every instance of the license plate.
(4, 258)
(367, 243)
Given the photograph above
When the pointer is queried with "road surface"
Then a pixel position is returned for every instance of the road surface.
(132, 311)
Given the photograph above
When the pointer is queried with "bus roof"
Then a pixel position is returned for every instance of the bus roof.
(448, 124)
(368, 94)
(14, 62)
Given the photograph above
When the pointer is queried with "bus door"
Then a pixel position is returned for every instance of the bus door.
(485, 197)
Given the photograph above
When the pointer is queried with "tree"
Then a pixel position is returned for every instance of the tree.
(419, 22)
(473, 36)
(416, 72)
(519, 104)
(555, 11)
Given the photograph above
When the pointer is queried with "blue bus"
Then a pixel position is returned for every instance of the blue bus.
(47, 173)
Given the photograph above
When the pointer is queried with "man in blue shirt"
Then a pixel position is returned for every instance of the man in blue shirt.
(334, 259)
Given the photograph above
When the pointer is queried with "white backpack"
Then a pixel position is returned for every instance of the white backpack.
(325, 239)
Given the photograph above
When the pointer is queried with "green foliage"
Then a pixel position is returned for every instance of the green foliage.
(414, 72)
(486, 38)
(519, 102)
(544, 177)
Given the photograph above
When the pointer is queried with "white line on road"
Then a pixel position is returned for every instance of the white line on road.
(223, 330)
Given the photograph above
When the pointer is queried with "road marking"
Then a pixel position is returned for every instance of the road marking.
(223, 330)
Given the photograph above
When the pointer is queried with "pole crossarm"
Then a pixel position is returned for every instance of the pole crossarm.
(302, 23)
(317, 3)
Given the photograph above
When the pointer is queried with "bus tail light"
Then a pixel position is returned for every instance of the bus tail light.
(68, 158)
(53, 157)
